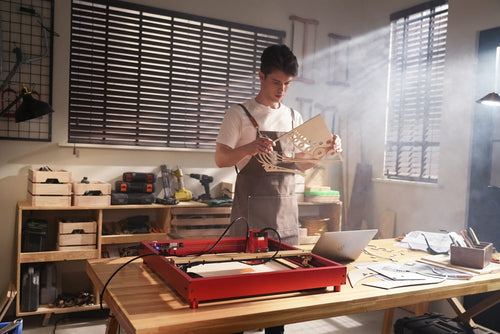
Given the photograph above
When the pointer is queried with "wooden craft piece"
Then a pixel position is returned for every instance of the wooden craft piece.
(312, 137)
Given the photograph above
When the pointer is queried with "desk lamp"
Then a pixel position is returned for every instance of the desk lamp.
(493, 99)
(30, 108)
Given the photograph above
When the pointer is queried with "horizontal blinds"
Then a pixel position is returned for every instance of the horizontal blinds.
(418, 49)
(143, 76)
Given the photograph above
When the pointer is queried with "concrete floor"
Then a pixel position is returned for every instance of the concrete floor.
(94, 322)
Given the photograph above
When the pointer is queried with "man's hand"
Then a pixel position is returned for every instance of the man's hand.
(336, 144)
(262, 145)
(226, 156)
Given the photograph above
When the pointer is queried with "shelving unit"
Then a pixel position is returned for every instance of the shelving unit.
(160, 216)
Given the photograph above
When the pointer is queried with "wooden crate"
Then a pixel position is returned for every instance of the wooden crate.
(49, 188)
(45, 200)
(70, 227)
(72, 248)
(77, 235)
(77, 239)
(81, 188)
(103, 200)
(61, 175)
(191, 223)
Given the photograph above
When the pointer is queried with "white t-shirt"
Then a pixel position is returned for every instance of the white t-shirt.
(237, 129)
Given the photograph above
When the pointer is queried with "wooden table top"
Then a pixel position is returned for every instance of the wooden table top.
(143, 303)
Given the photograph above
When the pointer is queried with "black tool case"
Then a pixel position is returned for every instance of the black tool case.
(433, 323)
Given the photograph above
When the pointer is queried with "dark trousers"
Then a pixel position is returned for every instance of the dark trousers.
(272, 330)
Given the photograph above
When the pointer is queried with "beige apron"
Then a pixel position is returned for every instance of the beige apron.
(267, 199)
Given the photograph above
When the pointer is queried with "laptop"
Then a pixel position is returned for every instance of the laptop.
(343, 245)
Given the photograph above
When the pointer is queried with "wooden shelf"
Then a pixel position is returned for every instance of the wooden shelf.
(159, 214)
(54, 256)
(131, 238)
(45, 309)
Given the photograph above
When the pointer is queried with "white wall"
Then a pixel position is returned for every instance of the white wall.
(362, 106)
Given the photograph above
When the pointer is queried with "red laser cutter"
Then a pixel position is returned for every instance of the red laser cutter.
(304, 270)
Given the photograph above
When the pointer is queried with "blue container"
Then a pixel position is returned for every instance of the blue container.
(17, 330)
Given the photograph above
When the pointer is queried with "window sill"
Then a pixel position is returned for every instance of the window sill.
(405, 182)
(140, 148)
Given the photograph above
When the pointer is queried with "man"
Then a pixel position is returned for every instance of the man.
(265, 199)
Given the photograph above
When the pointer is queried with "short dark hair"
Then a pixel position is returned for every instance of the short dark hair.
(278, 57)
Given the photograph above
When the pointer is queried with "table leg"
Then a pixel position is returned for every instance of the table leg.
(388, 319)
(112, 326)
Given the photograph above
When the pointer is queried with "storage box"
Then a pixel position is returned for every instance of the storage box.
(49, 188)
(97, 187)
(55, 176)
(316, 226)
(74, 235)
(82, 227)
(17, 326)
(49, 200)
(470, 257)
(103, 200)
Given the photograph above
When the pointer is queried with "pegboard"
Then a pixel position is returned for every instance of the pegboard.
(26, 38)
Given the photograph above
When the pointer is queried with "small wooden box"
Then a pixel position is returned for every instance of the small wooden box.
(44, 200)
(70, 227)
(470, 257)
(77, 234)
(60, 175)
(95, 186)
(104, 200)
(49, 188)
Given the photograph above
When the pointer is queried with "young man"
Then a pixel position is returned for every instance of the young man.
(265, 199)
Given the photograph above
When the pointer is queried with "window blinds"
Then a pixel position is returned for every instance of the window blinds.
(145, 76)
(417, 60)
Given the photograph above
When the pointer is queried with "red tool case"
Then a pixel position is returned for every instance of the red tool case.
(309, 270)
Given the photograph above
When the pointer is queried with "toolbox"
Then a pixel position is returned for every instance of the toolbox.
(434, 323)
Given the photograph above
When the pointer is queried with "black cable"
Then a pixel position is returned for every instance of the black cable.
(116, 271)
(279, 243)
(223, 234)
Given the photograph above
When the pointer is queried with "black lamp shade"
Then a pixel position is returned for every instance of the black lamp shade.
(31, 108)
(492, 99)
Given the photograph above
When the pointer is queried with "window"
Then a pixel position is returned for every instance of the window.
(144, 76)
(417, 59)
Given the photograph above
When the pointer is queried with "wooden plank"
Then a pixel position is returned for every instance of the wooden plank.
(51, 256)
(49, 188)
(226, 257)
(359, 196)
(7, 299)
(201, 222)
(77, 239)
(387, 224)
(222, 210)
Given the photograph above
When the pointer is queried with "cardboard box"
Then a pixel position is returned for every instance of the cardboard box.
(477, 257)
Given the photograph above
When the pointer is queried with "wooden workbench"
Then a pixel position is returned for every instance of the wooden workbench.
(143, 303)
